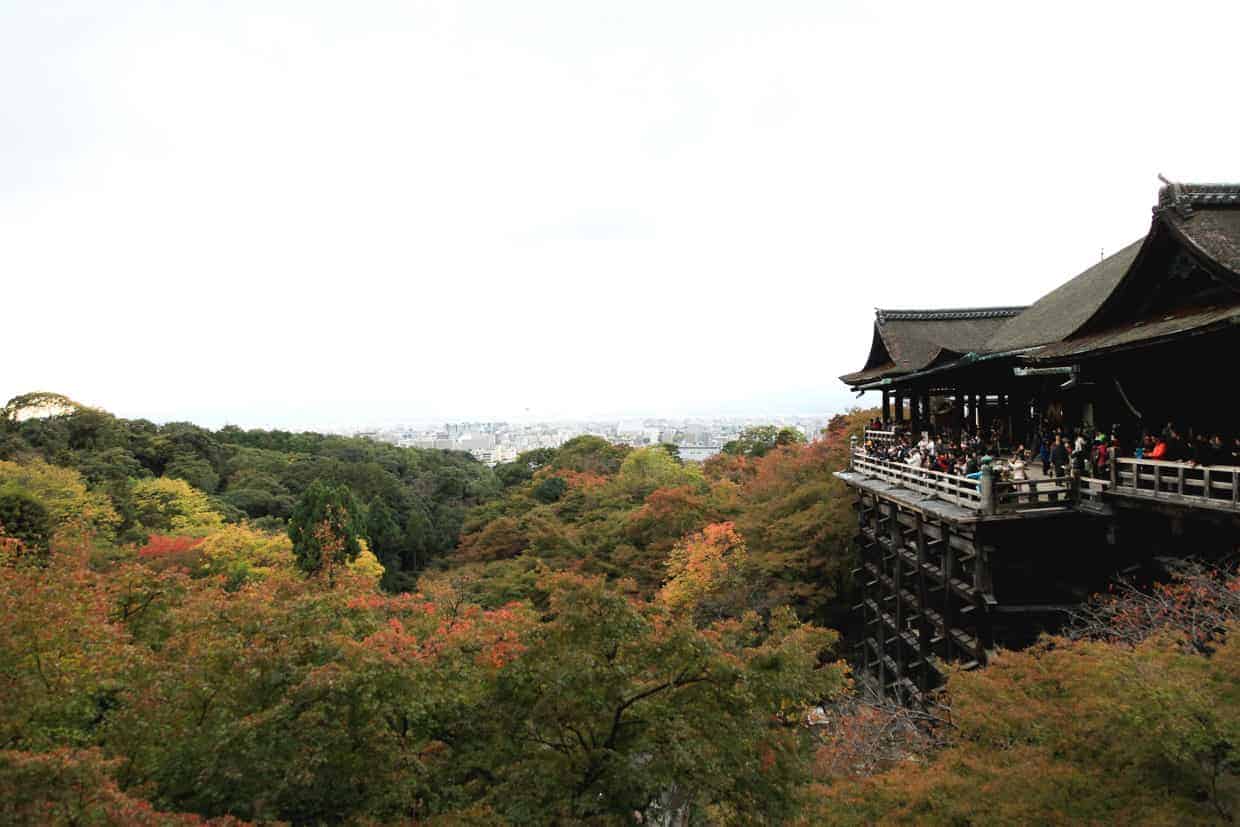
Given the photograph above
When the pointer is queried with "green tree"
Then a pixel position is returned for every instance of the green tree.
(550, 490)
(754, 442)
(167, 505)
(647, 469)
(523, 467)
(789, 436)
(672, 449)
(385, 536)
(589, 454)
(78, 514)
(324, 528)
(24, 519)
(616, 704)
(195, 470)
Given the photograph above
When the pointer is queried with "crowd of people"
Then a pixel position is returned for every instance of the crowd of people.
(1196, 448)
(962, 456)
(1058, 452)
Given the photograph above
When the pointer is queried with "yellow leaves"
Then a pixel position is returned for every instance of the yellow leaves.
(236, 547)
(703, 565)
(174, 506)
(77, 513)
(646, 469)
(366, 564)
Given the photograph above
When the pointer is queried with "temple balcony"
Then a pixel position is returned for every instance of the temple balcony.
(1132, 483)
(958, 498)
(1176, 484)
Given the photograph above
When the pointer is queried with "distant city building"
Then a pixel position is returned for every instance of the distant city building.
(697, 439)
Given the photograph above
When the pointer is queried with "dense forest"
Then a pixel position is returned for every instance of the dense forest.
(258, 626)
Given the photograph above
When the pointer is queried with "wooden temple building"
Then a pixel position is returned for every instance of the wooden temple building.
(951, 567)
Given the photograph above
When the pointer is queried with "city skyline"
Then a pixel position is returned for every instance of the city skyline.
(352, 417)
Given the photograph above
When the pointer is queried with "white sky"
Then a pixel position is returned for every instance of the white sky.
(304, 212)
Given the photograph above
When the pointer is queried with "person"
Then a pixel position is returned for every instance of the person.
(1159, 450)
(1145, 446)
(1080, 457)
(1044, 453)
(1059, 457)
(1100, 457)
(1174, 449)
(1214, 453)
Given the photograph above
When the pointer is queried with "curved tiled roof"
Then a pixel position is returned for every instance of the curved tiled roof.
(906, 341)
(1090, 312)
(1059, 313)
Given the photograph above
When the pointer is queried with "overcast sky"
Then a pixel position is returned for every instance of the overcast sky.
(309, 213)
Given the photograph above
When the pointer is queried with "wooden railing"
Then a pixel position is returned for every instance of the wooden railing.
(951, 488)
(1090, 491)
(985, 494)
(1022, 495)
(1214, 485)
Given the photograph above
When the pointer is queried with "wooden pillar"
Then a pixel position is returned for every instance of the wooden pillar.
(899, 400)
(924, 632)
(983, 585)
(986, 487)
(1007, 421)
(897, 544)
(886, 406)
(949, 565)
(866, 554)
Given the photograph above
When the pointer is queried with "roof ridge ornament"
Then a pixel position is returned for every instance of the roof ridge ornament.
(1183, 197)
(946, 315)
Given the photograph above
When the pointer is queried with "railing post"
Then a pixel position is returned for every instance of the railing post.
(986, 487)
(852, 449)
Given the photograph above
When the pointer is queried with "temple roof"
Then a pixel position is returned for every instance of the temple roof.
(1207, 218)
(1059, 313)
(906, 341)
(1143, 331)
(1122, 301)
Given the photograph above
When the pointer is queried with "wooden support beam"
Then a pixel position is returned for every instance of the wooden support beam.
(949, 561)
(923, 622)
(897, 539)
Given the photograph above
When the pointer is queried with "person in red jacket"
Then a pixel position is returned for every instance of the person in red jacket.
(1100, 458)
(1160, 450)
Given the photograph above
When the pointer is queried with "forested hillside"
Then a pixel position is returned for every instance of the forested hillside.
(414, 500)
(223, 626)
(627, 515)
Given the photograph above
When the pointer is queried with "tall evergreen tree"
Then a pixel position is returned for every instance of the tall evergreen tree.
(325, 527)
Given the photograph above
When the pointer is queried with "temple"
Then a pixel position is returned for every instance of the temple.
(1028, 455)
